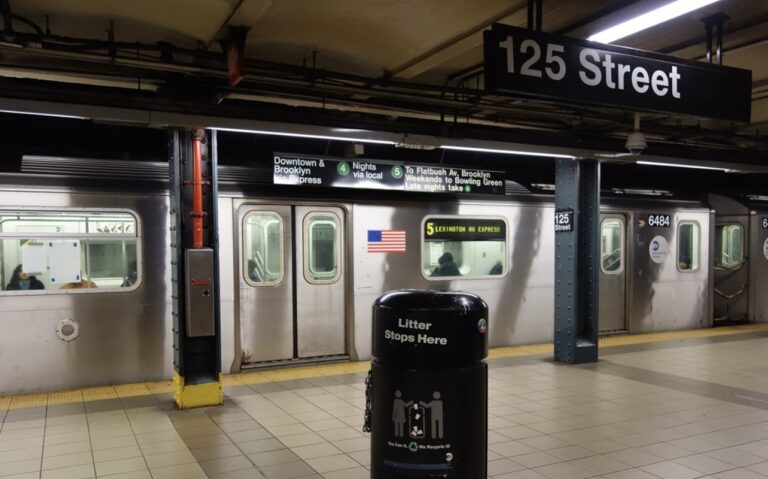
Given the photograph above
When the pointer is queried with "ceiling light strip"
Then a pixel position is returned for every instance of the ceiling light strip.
(306, 135)
(52, 115)
(648, 20)
(506, 152)
(681, 165)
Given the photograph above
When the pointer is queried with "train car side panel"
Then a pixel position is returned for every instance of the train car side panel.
(122, 336)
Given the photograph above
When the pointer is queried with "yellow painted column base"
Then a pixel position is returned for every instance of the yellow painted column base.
(196, 395)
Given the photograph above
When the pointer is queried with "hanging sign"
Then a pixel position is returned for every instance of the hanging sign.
(443, 179)
(529, 63)
(291, 169)
(335, 172)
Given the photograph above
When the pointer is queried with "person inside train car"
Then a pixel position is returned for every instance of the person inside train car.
(447, 266)
(21, 280)
(84, 283)
(132, 276)
(497, 268)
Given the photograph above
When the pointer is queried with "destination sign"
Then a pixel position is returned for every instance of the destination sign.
(336, 173)
(300, 170)
(434, 179)
(464, 229)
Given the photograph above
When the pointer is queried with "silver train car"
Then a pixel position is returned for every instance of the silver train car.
(298, 277)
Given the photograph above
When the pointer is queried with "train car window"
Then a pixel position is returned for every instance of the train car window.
(263, 248)
(69, 250)
(464, 247)
(322, 248)
(612, 246)
(729, 246)
(688, 244)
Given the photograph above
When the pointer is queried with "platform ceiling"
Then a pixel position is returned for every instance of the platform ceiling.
(409, 42)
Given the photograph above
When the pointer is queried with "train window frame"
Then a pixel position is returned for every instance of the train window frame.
(680, 224)
(622, 238)
(718, 253)
(306, 249)
(507, 266)
(244, 257)
(138, 236)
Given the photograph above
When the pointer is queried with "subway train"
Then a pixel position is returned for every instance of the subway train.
(299, 271)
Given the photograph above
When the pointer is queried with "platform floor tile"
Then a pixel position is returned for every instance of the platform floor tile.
(674, 405)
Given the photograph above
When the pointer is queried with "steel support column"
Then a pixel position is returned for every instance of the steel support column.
(577, 190)
(194, 266)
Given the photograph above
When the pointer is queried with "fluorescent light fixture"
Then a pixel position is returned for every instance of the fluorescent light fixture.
(648, 20)
(506, 152)
(53, 115)
(641, 191)
(304, 135)
(680, 165)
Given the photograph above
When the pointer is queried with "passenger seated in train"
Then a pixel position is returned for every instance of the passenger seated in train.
(132, 276)
(21, 280)
(497, 268)
(84, 283)
(447, 266)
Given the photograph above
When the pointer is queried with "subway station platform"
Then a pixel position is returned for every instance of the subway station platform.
(675, 405)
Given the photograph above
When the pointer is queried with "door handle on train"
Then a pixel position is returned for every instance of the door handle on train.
(731, 296)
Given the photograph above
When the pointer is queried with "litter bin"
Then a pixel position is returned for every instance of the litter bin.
(428, 386)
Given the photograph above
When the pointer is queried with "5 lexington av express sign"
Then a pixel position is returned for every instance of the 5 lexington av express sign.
(535, 64)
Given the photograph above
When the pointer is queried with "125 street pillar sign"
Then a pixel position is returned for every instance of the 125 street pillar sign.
(532, 63)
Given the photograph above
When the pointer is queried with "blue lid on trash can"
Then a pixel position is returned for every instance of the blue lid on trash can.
(418, 329)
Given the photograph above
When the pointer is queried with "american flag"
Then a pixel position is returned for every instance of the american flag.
(386, 241)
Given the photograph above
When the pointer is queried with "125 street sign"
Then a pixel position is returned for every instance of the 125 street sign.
(536, 64)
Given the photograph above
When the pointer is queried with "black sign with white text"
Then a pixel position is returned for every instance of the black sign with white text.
(336, 172)
(563, 220)
(537, 64)
(300, 170)
(765, 223)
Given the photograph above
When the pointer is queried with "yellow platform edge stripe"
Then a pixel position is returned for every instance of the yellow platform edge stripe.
(212, 393)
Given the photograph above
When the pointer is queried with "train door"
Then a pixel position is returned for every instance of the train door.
(731, 299)
(291, 283)
(613, 276)
(320, 281)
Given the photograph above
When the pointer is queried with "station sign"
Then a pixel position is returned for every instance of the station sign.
(464, 229)
(307, 170)
(539, 65)
(563, 220)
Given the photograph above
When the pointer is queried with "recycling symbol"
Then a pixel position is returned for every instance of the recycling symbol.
(413, 447)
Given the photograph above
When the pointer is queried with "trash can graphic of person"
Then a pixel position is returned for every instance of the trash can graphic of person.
(435, 415)
(398, 413)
